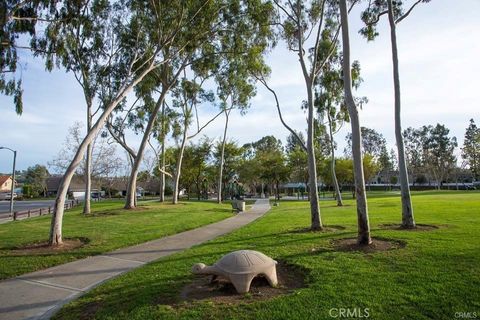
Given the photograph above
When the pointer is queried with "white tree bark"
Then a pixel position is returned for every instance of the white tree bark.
(332, 168)
(408, 220)
(362, 208)
(57, 216)
(88, 165)
(316, 221)
(130, 202)
(309, 77)
(162, 158)
(178, 168)
(162, 173)
(222, 157)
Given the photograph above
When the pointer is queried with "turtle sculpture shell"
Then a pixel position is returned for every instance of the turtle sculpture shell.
(244, 261)
(240, 267)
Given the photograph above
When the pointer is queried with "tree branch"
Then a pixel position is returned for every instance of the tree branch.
(408, 12)
(206, 124)
(117, 138)
(280, 113)
(371, 23)
(156, 155)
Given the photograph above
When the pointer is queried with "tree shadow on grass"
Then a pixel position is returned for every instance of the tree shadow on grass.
(378, 244)
(399, 227)
(329, 228)
(43, 248)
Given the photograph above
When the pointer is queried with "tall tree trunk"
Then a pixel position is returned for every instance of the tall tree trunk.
(362, 208)
(130, 202)
(222, 156)
(131, 197)
(334, 174)
(178, 169)
(199, 190)
(162, 174)
(316, 221)
(162, 159)
(88, 179)
(277, 186)
(407, 210)
(58, 209)
(88, 165)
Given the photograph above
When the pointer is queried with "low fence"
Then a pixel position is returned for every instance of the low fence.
(19, 215)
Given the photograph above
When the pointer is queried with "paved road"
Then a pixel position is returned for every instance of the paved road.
(25, 205)
(40, 294)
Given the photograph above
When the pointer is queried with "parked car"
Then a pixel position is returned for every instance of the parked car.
(7, 195)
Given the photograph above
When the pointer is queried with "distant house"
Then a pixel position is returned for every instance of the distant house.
(5, 183)
(118, 186)
(75, 190)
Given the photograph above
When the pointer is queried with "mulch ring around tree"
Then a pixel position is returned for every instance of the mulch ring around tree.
(40, 248)
(290, 278)
(377, 245)
(418, 227)
(325, 229)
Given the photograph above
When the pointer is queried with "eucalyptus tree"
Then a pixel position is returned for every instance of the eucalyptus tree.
(360, 194)
(438, 151)
(249, 169)
(330, 103)
(373, 143)
(133, 52)
(195, 165)
(275, 169)
(18, 25)
(298, 21)
(242, 59)
(162, 129)
(188, 95)
(78, 46)
(232, 155)
(234, 92)
(471, 149)
(371, 17)
(206, 45)
(143, 118)
(293, 143)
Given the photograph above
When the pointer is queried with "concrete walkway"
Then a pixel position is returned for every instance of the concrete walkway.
(40, 294)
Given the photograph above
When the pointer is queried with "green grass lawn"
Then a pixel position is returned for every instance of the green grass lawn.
(436, 275)
(108, 228)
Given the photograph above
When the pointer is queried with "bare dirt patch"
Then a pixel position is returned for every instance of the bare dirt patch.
(377, 245)
(40, 248)
(325, 229)
(418, 227)
(290, 277)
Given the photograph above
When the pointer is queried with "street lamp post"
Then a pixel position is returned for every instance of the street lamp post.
(13, 178)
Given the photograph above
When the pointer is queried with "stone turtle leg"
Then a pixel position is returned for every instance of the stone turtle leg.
(242, 282)
(271, 275)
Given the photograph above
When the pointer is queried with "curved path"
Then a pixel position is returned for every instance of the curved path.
(40, 294)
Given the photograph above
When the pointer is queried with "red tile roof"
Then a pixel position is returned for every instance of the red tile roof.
(3, 179)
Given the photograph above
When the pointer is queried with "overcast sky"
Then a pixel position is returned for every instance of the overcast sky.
(439, 69)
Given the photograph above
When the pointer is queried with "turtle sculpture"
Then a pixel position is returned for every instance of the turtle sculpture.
(240, 267)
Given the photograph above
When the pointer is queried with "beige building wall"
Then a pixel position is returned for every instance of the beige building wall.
(6, 186)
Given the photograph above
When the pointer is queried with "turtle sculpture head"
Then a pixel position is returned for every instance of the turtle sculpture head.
(198, 268)
(240, 267)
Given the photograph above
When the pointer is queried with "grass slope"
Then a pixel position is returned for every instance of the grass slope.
(436, 275)
(108, 228)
